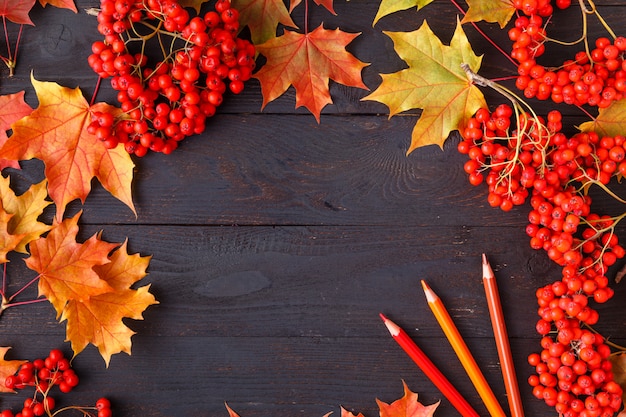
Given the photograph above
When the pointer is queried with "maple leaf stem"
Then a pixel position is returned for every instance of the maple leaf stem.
(8, 304)
(95, 91)
(28, 284)
(484, 35)
(9, 60)
(306, 17)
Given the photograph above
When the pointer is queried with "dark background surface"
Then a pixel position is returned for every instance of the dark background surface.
(276, 241)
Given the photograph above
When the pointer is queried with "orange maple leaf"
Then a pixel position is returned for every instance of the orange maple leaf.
(262, 17)
(8, 241)
(194, 4)
(25, 210)
(12, 108)
(407, 406)
(17, 10)
(7, 368)
(434, 81)
(66, 267)
(61, 4)
(56, 133)
(98, 319)
(493, 11)
(346, 413)
(308, 61)
(618, 363)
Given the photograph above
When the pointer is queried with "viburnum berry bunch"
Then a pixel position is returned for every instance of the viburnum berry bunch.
(44, 374)
(522, 156)
(169, 97)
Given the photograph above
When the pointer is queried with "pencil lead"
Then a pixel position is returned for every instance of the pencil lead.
(382, 316)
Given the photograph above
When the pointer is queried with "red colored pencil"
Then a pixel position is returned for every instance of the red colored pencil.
(429, 368)
(502, 341)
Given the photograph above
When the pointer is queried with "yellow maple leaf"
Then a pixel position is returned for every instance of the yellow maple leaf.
(493, 11)
(611, 120)
(8, 241)
(98, 319)
(7, 368)
(434, 81)
(262, 17)
(391, 6)
(25, 210)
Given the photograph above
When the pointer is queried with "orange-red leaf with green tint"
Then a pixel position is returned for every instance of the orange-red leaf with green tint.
(434, 81)
(328, 4)
(12, 108)
(262, 17)
(308, 62)
(17, 10)
(25, 210)
(66, 267)
(56, 133)
(194, 4)
(493, 11)
(61, 4)
(98, 319)
(407, 406)
(7, 368)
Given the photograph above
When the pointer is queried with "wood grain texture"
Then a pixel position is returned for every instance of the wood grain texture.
(276, 241)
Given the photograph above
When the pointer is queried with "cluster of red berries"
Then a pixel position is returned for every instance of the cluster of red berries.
(169, 99)
(596, 77)
(528, 157)
(44, 374)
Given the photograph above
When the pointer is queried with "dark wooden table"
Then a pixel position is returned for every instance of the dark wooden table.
(276, 242)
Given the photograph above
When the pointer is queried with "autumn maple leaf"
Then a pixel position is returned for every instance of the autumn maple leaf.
(66, 267)
(12, 108)
(308, 61)
(98, 319)
(388, 7)
(61, 4)
(618, 363)
(8, 241)
(262, 17)
(407, 406)
(434, 81)
(493, 11)
(25, 210)
(611, 120)
(7, 368)
(17, 11)
(56, 133)
(328, 4)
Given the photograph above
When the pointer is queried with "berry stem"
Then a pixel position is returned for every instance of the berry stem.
(484, 35)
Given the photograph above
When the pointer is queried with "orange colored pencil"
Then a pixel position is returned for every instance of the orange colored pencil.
(429, 368)
(462, 352)
(502, 340)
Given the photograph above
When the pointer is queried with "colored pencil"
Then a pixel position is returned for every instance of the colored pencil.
(462, 352)
(429, 368)
(502, 340)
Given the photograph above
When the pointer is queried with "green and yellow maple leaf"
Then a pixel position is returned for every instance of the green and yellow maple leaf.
(492, 11)
(391, 6)
(434, 81)
(611, 121)
(308, 61)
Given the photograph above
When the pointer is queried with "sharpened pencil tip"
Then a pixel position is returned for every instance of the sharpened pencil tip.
(382, 316)
(487, 271)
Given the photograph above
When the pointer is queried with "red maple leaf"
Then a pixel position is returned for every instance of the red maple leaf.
(17, 10)
(308, 61)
